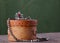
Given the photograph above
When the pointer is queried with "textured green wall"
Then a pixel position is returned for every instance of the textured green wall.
(47, 12)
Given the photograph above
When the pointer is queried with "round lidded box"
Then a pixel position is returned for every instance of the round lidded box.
(22, 29)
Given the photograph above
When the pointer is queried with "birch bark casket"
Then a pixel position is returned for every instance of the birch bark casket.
(22, 30)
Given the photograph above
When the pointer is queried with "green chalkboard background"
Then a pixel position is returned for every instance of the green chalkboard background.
(47, 12)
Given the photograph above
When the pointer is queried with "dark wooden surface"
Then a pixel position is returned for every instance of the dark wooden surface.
(52, 38)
